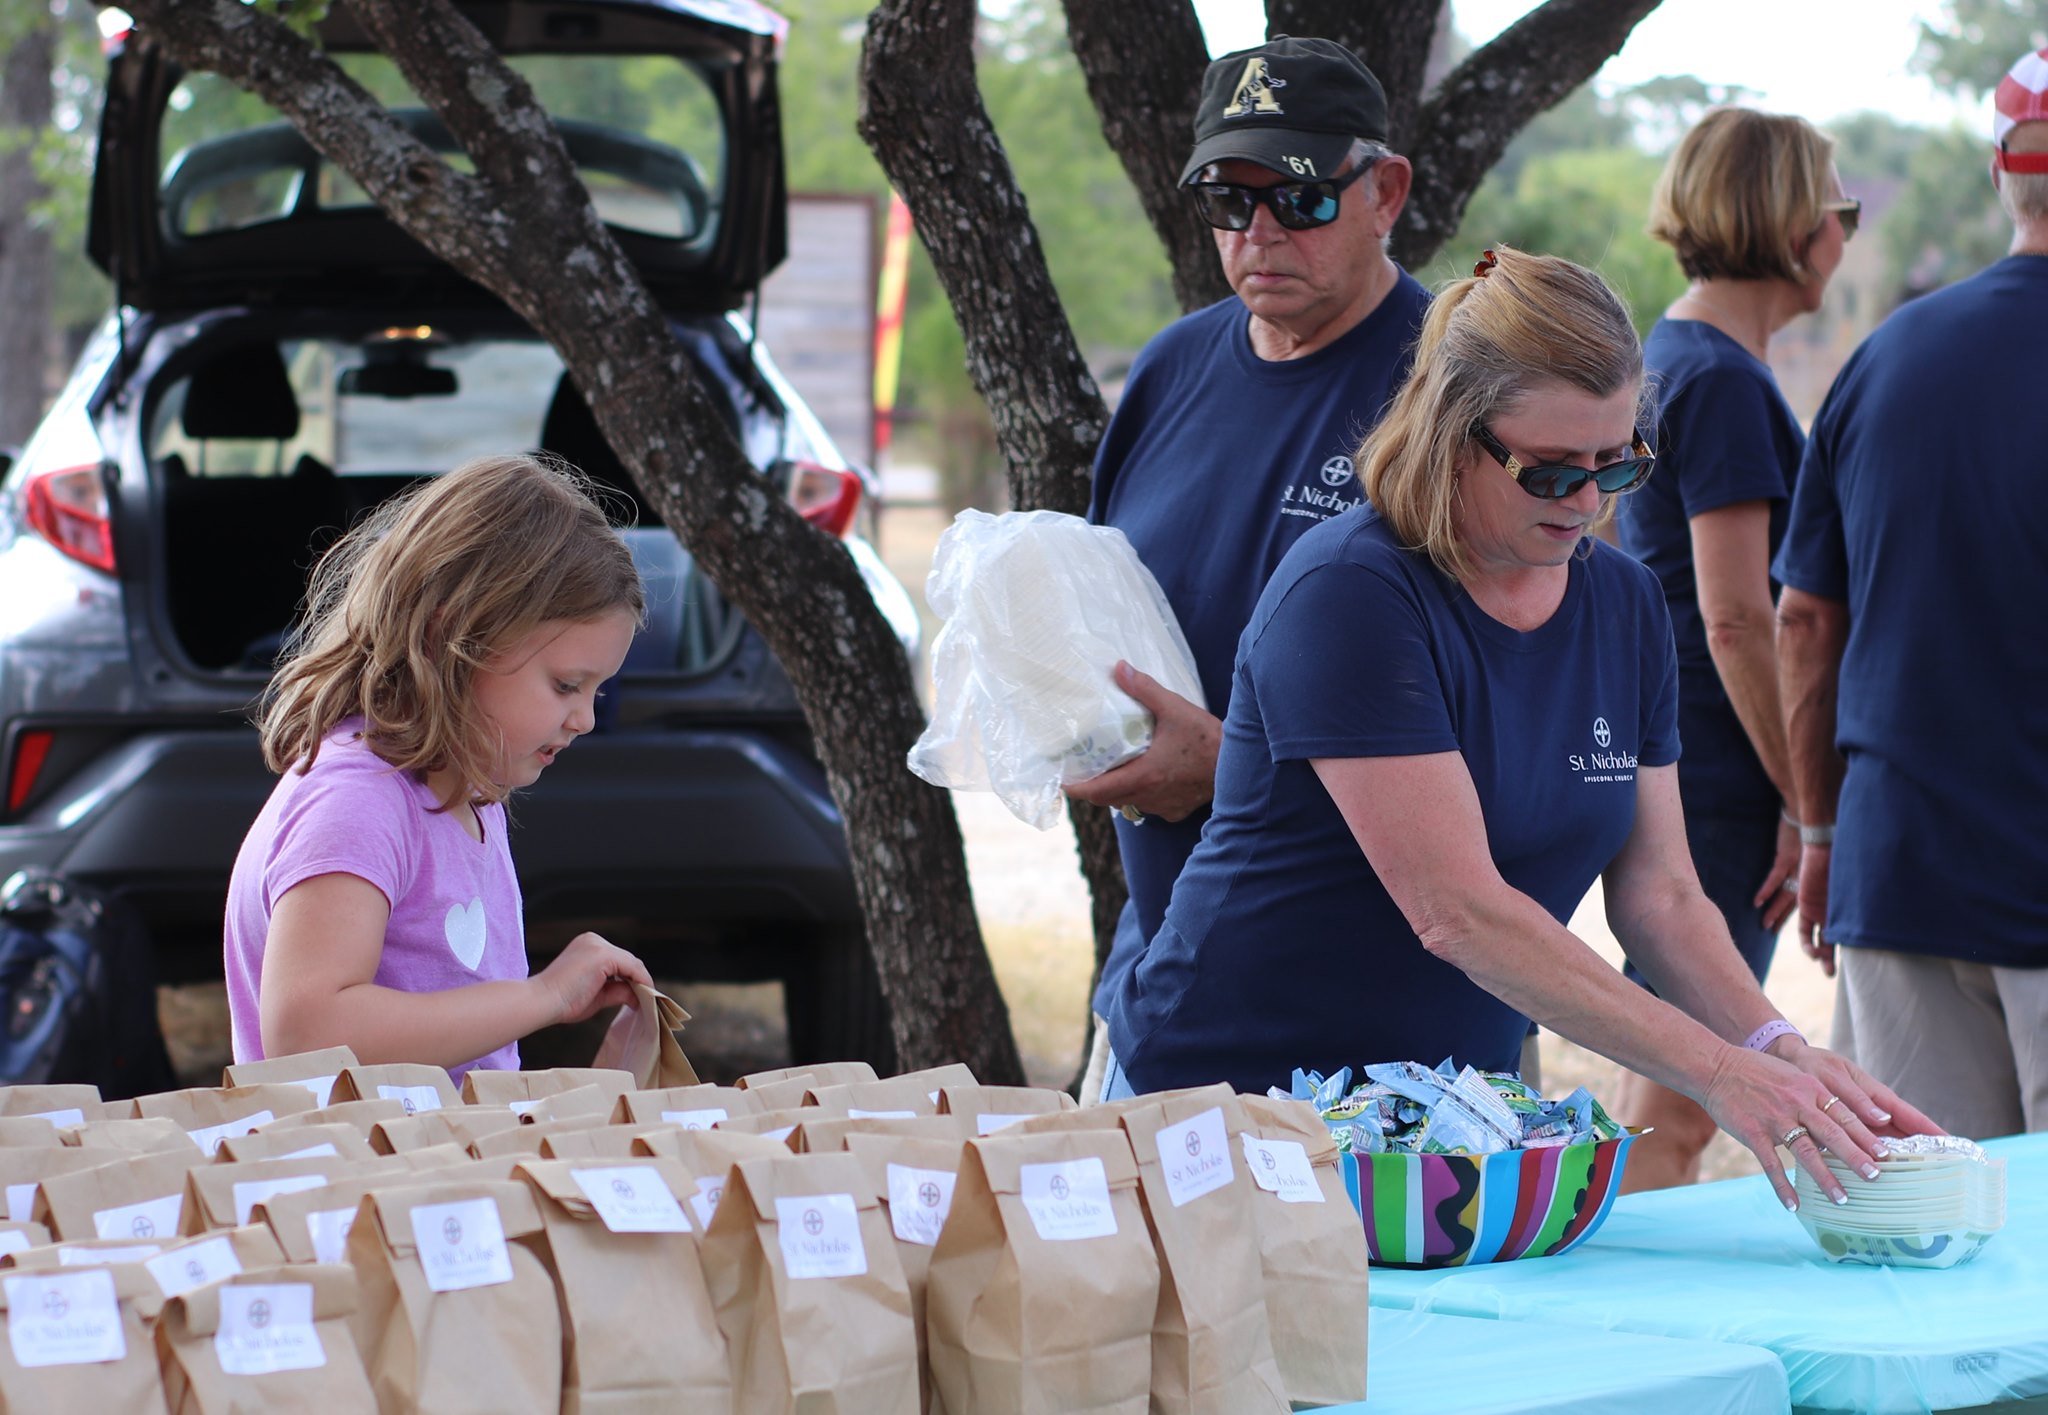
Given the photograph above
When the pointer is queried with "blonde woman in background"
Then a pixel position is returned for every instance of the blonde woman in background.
(1752, 205)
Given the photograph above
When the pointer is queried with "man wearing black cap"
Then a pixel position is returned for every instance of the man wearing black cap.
(1238, 423)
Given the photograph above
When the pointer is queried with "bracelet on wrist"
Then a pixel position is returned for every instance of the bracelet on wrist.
(1785, 815)
(1770, 1032)
(1817, 834)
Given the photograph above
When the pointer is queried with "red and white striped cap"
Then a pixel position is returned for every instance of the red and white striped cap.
(2022, 97)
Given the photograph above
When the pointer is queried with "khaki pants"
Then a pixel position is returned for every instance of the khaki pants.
(1965, 1042)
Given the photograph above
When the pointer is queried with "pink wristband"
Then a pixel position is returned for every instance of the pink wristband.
(1770, 1032)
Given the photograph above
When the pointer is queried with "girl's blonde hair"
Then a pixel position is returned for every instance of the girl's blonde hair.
(406, 608)
(1742, 195)
(1486, 345)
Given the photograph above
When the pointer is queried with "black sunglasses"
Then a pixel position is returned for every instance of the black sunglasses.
(1554, 483)
(1849, 210)
(1299, 206)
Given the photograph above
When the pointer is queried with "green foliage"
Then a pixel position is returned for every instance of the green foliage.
(1947, 223)
(1978, 42)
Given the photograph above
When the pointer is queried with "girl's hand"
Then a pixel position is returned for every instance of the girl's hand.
(589, 976)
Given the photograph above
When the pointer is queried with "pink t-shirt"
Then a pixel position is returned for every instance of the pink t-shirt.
(455, 908)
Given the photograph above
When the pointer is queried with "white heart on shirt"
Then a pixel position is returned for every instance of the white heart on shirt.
(465, 929)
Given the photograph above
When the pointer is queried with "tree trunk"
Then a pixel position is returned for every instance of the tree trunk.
(523, 227)
(1143, 60)
(26, 269)
(921, 112)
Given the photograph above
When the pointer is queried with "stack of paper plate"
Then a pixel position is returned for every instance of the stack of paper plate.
(1935, 1203)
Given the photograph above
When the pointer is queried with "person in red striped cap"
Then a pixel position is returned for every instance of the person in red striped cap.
(1915, 679)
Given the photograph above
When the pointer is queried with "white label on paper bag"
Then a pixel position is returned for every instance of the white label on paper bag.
(705, 1200)
(1281, 1167)
(989, 1124)
(523, 1107)
(461, 1245)
(13, 1240)
(820, 1236)
(69, 1256)
(631, 1199)
(208, 1137)
(323, 1150)
(65, 1319)
(919, 1200)
(21, 1199)
(60, 1117)
(152, 1218)
(934, 1095)
(1195, 1156)
(267, 1327)
(194, 1266)
(329, 1229)
(854, 1113)
(251, 1192)
(414, 1098)
(1068, 1200)
(696, 1119)
(322, 1088)
(783, 1134)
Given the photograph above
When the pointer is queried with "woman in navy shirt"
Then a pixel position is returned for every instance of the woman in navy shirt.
(1453, 711)
(1752, 206)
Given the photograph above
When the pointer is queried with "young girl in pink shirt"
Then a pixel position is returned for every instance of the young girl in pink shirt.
(452, 647)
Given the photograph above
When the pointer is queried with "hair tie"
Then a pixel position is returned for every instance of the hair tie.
(1487, 261)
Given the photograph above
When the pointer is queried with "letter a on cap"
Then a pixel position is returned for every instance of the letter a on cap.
(1254, 91)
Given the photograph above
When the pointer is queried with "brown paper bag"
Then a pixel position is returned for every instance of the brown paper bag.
(515, 1089)
(913, 1180)
(614, 1140)
(60, 1105)
(1044, 1282)
(823, 1073)
(1212, 1353)
(433, 1157)
(210, 1115)
(456, 1313)
(460, 1126)
(314, 1070)
(415, 1086)
(272, 1338)
(20, 1170)
(593, 1103)
(135, 1137)
(1312, 1250)
(333, 1141)
(312, 1225)
(136, 1196)
(175, 1266)
(892, 1099)
(638, 1330)
(524, 1141)
(30, 1132)
(994, 1107)
(778, 1125)
(642, 1041)
(20, 1237)
(225, 1195)
(827, 1133)
(692, 1107)
(357, 1115)
(809, 1291)
(77, 1341)
(709, 1155)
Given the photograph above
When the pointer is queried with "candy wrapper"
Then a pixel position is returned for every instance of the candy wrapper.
(1404, 1107)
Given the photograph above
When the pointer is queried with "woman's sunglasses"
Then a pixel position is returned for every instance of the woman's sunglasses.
(1554, 483)
(1850, 210)
(1299, 206)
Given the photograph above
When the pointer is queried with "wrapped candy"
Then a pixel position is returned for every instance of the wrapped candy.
(1404, 1107)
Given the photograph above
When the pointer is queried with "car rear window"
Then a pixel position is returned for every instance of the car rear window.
(645, 130)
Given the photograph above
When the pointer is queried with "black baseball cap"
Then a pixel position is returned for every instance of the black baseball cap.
(1294, 105)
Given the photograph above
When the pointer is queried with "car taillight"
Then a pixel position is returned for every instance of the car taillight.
(68, 508)
(31, 750)
(827, 497)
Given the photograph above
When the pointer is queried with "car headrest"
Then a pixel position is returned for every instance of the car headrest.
(242, 392)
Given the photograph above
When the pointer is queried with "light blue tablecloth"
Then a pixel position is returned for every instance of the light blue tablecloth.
(1725, 1262)
(1421, 1363)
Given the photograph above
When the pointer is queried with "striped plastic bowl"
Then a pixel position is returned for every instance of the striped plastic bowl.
(1444, 1211)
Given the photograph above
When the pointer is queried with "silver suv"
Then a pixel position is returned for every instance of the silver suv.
(281, 359)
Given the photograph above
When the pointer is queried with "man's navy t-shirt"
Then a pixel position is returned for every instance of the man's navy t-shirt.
(1725, 435)
(1281, 948)
(1923, 505)
(1215, 463)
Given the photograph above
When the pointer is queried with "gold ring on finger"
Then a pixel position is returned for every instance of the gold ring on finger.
(1831, 1100)
(1793, 1134)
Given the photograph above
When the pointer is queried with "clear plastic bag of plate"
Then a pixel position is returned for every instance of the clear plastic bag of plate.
(1038, 608)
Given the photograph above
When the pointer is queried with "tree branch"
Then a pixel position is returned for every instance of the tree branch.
(1465, 126)
(1143, 60)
